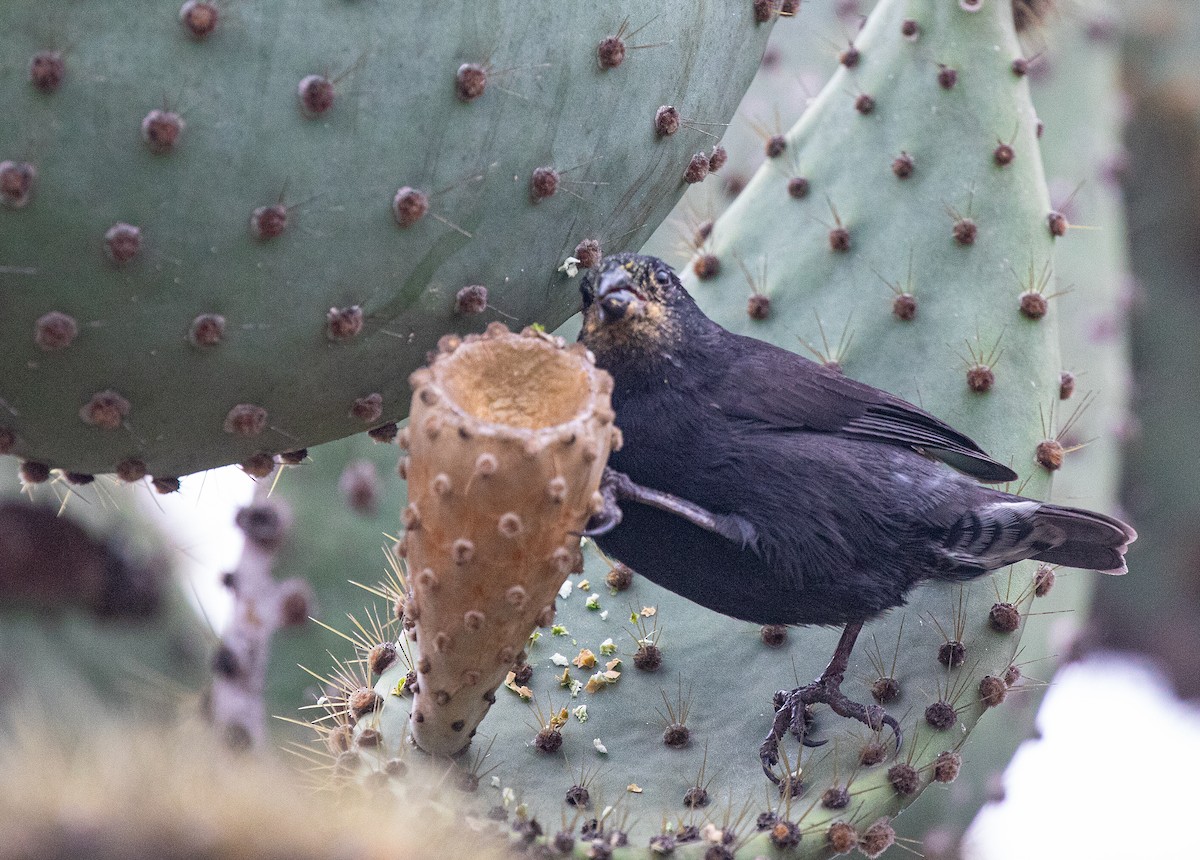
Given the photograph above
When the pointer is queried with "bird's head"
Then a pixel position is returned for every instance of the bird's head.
(633, 306)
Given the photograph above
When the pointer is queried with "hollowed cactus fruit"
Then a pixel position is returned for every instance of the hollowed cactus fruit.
(508, 439)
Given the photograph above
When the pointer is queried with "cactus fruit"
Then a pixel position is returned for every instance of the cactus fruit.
(959, 222)
(508, 438)
(273, 211)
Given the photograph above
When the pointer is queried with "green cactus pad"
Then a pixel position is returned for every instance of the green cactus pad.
(957, 233)
(224, 237)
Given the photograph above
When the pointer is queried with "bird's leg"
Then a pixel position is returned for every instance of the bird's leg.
(617, 486)
(827, 690)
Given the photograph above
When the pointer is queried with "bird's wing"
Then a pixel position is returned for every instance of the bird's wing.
(785, 391)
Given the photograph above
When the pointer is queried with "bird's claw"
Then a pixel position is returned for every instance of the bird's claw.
(792, 717)
(600, 524)
(609, 516)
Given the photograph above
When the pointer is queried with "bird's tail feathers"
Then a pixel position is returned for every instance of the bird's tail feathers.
(1083, 539)
(1013, 529)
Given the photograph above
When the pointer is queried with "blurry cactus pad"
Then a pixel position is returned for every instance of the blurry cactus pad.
(508, 439)
(230, 230)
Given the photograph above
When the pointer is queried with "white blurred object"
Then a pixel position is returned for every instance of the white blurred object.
(1113, 775)
(198, 523)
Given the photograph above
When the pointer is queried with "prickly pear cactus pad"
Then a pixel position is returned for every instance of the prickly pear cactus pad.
(507, 442)
(925, 235)
(225, 227)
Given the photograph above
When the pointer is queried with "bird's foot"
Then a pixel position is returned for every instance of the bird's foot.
(617, 486)
(792, 716)
(609, 516)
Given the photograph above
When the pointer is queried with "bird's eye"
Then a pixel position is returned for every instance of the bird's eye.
(662, 277)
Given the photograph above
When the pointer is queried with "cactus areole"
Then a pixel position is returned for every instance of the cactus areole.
(508, 438)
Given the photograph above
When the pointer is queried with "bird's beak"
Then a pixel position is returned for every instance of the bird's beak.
(618, 297)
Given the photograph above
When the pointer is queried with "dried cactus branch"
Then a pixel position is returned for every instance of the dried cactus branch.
(262, 605)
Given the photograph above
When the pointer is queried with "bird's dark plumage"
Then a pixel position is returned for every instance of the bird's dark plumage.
(845, 493)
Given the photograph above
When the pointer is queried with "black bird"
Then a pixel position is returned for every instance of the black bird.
(769, 488)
